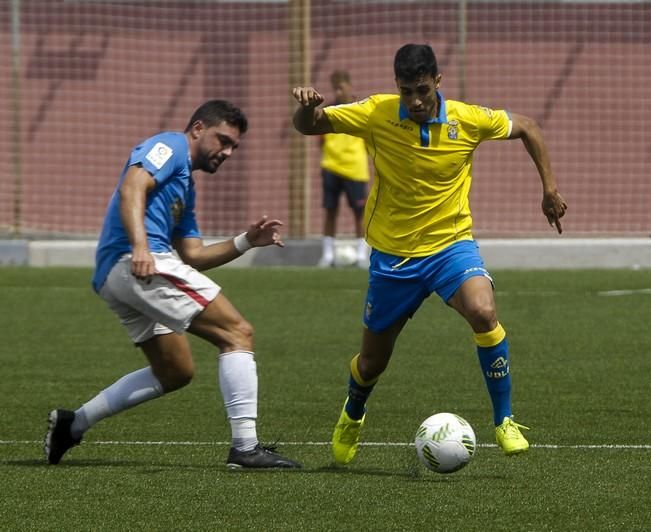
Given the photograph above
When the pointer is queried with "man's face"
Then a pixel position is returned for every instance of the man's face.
(419, 96)
(343, 92)
(215, 144)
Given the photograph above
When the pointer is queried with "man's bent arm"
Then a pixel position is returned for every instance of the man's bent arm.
(529, 132)
(203, 257)
(133, 198)
(195, 253)
(308, 119)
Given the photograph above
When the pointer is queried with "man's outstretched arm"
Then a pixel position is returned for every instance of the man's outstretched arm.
(202, 257)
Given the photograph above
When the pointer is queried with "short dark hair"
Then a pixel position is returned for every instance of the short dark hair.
(413, 61)
(214, 112)
(338, 76)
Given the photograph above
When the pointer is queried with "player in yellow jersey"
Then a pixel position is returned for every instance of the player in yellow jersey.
(344, 168)
(418, 224)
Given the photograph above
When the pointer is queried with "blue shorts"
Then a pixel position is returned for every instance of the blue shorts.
(334, 185)
(397, 287)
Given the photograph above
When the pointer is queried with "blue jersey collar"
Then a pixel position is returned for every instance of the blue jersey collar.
(442, 117)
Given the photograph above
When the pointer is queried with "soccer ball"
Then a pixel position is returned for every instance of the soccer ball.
(345, 255)
(445, 443)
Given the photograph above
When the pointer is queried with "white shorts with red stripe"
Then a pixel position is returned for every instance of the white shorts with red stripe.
(166, 303)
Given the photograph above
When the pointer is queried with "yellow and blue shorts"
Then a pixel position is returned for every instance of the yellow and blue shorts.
(398, 286)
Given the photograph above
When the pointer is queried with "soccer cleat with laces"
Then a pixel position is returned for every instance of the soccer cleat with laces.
(345, 438)
(509, 437)
(58, 438)
(259, 458)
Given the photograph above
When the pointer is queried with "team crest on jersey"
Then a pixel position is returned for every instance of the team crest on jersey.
(487, 110)
(177, 211)
(159, 154)
(453, 132)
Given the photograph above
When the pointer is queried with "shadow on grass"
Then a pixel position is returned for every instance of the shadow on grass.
(413, 472)
(141, 467)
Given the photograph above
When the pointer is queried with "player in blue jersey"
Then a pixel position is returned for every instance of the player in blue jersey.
(148, 260)
(418, 223)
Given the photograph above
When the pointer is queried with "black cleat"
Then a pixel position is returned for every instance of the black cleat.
(258, 458)
(58, 438)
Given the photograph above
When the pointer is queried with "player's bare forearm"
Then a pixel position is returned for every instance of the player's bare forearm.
(264, 232)
(308, 119)
(553, 204)
(529, 132)
(204, 257)
(133, 197)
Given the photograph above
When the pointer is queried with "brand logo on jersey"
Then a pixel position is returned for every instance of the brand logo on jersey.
(177, 211)
(369, 310)
(159, 154)
(499, 369)
(475, 269)
(400, 125)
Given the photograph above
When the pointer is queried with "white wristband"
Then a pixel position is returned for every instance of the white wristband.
(242, 243)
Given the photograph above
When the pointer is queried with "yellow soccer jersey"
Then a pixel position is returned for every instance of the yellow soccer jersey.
(418, 204)
(345, 156)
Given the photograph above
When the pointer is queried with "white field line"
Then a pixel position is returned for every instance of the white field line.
(326, 443)
(554, 293)
(625, 292)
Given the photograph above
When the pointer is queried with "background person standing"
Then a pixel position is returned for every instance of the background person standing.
(344, 169)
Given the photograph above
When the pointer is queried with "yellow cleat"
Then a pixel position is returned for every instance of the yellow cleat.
(509, 437)
(345, 438)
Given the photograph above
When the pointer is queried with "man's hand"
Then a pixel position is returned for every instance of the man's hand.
(265, 233)
(554, 207)
(142, 264)
(307, 97)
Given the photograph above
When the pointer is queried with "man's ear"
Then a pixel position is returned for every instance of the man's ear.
(196, 129)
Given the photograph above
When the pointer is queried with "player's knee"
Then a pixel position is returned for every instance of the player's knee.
(243, 335)
(371, 368)
(177, 376)
(483, 315)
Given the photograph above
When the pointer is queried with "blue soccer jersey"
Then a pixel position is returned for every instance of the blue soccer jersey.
(170, 205)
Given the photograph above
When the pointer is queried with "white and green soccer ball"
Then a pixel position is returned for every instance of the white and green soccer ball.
(445, 443)
(345, 254)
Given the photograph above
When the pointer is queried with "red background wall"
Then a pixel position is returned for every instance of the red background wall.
(98, 77)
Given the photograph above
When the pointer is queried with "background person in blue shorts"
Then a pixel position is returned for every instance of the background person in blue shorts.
(344, 169)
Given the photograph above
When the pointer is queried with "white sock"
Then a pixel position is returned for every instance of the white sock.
(328, 248)
(129, 391)
(362, 250)
(238, 381)
(244, 434)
